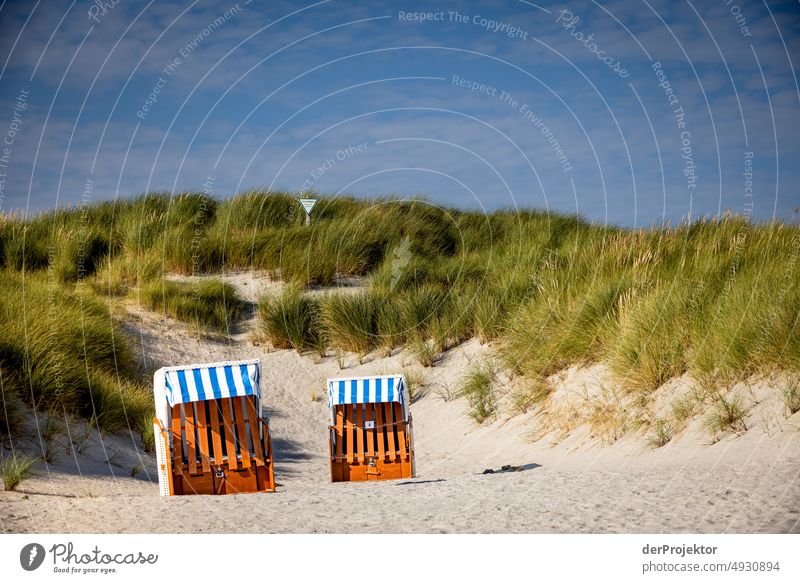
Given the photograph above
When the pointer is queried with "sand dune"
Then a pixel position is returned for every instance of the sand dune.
(570, 482)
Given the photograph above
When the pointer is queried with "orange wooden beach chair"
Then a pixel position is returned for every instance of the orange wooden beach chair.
(371, 430)
(210, 436)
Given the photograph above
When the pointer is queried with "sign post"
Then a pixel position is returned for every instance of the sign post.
(308, 204)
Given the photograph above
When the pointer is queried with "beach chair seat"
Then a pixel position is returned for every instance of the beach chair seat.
(370, 436)
(211, 438)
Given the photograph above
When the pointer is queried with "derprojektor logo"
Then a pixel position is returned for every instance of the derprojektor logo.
(31, 556)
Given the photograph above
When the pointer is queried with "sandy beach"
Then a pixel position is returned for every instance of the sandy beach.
(568, 481)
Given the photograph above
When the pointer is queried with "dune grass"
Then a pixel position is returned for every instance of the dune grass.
(717, 298)
(144, 426)
(11, 410)
(350, 321)
(533, 393)
(728, 415)
(661, 433)
(790, 395)
(290, 320)
(478, 388)
(209, 305)
(61, 351)
(15, 469)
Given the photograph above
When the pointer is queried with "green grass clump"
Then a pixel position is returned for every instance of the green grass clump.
(487, 316)
(252, 211)
(11, 411)
(420, 307)
(426, 351)
(389, 325)
(571, 324)
(22, 247)
(80, 254)
(144, 426)
(661, 433)
(49, 433)
(686, 407)
(118, 275)
(653, 342)
(728, 414)
(290, 320)
(752, 328)
(415, 385)
(209, 305)
(790, 395)
(55, 340)
(16, 469)
(608, 417)
(533, 393)
(478, 388)
(118, 403)
(350, 321)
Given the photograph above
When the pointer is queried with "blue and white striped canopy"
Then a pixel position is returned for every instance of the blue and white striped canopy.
(202, 382)
(377, 389)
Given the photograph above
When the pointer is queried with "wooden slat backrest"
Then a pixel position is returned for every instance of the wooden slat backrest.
(348, 428)
(388, 439)
(369, 410)
(339, 432)
(381, 431)
(390, 430)
(401, 430)
(202, 434)
(358, 423)
(341, 443)
(178, 444)
(241, 434)
(216, 431)
(255, 430)
(190, 437)
(230, 436)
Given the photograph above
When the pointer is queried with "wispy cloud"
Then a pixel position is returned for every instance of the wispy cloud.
(261, 94)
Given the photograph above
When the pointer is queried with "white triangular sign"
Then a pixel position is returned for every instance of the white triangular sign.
(308, 204)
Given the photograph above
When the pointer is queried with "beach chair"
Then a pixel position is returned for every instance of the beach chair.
(371, 430)
(210, 436)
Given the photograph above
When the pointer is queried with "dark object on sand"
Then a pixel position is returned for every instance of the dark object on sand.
(507, 468)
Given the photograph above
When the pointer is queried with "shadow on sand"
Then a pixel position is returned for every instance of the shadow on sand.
(508, 469)
(286, 453)
(414, 482)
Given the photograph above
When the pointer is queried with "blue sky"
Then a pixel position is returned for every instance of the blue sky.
(475, 105)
